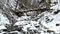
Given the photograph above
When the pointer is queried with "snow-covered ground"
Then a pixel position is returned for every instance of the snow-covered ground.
(51, 21)
(48, 22)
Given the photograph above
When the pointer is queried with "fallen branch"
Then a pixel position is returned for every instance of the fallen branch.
(29, 10)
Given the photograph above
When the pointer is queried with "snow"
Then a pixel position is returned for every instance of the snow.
(3, 20)
(25, 27)
(28, 25)
(46, 19)
(54, 1)
(33, 28)
(56, 7)
(51, 24)
(15, 32)
(2, 27)
(23, 18)
(3, 32)
(21, 23)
